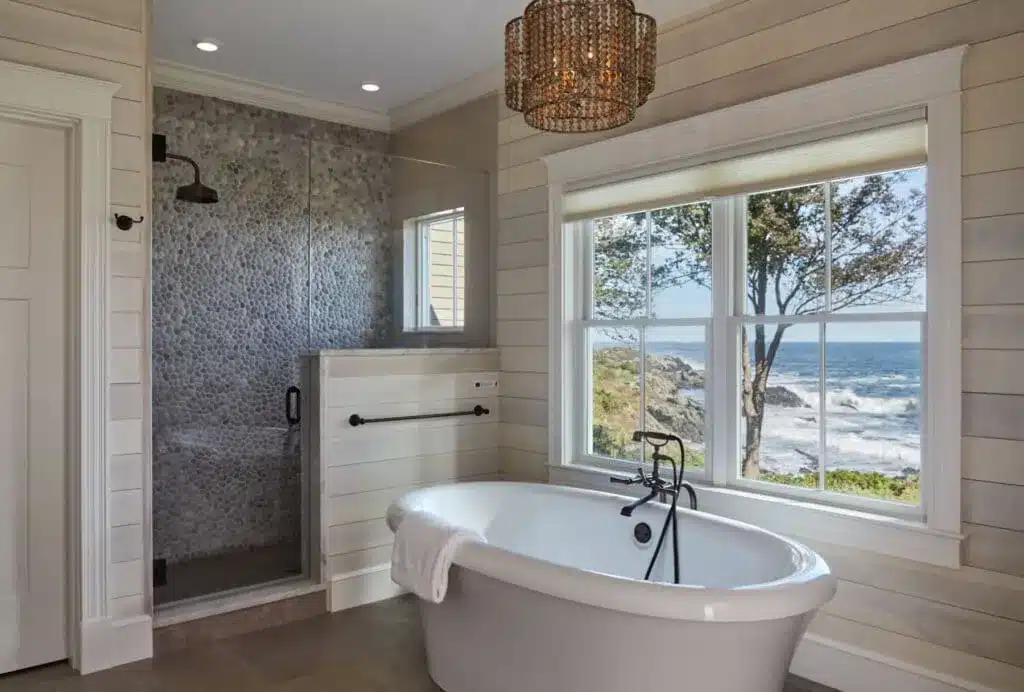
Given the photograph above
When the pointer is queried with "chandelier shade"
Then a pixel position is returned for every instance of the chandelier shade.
(579, 65)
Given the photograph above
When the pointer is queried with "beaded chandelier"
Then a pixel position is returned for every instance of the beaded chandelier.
(579, 65)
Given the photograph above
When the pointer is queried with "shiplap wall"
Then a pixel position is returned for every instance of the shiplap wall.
(364, 469)
(965, 620)
(108, 39)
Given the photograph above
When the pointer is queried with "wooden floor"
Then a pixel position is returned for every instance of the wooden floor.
(376, 648)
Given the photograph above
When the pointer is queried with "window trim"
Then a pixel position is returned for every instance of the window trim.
(416, 281)
(729, 307)
(931, 81)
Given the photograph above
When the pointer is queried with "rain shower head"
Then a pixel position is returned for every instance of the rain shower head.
(195, 192)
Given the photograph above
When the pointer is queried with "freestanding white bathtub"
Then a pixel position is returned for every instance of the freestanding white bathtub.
(554, 600)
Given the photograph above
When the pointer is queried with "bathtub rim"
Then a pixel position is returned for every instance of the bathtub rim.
(809, 587)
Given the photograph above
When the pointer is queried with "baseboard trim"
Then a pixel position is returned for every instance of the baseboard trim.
(361, 587)
(107, 643)
(834, 664)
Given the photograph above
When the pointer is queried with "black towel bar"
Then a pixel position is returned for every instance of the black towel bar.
(356, 420)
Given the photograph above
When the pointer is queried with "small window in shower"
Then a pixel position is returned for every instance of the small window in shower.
(435, 272)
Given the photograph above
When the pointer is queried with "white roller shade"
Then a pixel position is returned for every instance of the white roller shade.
(885, 148)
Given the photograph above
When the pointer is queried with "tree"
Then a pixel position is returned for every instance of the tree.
(620, 267)
(878, 252)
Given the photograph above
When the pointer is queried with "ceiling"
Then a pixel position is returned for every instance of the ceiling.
(326, 49)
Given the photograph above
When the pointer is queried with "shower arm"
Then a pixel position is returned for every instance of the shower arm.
(179, 157)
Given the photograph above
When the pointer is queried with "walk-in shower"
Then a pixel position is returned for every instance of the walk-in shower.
(298, 255)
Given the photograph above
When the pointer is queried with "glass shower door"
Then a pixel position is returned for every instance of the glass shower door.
(230, 326)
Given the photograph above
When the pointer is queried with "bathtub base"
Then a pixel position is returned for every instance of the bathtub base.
(490, 636)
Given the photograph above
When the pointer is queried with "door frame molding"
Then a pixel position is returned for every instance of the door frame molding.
(82, 107)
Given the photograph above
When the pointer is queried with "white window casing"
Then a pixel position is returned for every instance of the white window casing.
(864, 122)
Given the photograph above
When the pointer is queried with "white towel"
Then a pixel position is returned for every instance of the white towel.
(424, 548)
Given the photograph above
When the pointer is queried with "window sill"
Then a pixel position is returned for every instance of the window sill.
(898, 538)
(435, 330)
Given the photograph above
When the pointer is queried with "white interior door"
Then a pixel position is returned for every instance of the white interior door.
(33, 224)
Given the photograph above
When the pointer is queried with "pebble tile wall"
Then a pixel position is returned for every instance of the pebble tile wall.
(303, 221)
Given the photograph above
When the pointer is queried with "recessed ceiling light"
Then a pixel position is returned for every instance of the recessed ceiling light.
(370, 86)
(207, 46)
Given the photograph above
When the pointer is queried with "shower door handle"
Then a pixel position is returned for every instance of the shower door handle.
(293, 405)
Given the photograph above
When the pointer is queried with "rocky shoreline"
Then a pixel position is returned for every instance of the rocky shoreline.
(674, 393)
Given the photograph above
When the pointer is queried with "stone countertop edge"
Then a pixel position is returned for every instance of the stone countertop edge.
(378, 352)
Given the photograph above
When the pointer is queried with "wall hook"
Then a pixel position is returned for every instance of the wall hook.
(125, 222)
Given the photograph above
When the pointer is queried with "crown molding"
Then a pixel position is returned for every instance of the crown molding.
(174, 75)
(209, 83)
(469, 89)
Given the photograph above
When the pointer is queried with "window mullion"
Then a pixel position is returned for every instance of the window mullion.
(418, 278)
(738, 256)
(584, 394)
(642, 338)
(455, 271)
(828, 247)
(586, 268)
(822, 403)
(581, 247)
(423, 267)
(648, 223)
(722, 353)
(823, 347)
(642, 369)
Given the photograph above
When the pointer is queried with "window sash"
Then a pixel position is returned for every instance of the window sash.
(722, 443)
(419, 275)
(586, 399)
(881, 506)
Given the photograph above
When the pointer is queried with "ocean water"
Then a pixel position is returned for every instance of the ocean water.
(872, 405)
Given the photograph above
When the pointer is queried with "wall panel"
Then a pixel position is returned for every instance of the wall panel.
(366, 468)
(125, 14)
(45, 27)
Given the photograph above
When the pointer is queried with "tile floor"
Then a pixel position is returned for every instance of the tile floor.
(376, 648)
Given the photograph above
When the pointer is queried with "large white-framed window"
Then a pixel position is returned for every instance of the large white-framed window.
(811, 315)
(821, 300)
(435, 272)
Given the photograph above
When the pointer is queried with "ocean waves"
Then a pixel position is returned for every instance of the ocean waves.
(847, 400)
(872, 407)
(862, 433)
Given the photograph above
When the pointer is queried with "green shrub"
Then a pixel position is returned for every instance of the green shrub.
(849, 482)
